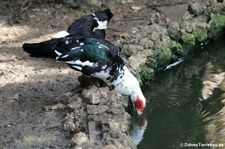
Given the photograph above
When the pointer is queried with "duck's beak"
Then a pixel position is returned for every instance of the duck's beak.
(139, 112)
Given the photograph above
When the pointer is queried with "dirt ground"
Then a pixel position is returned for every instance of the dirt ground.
(29, 84)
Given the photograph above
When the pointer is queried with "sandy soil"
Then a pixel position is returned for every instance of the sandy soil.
(28, 84)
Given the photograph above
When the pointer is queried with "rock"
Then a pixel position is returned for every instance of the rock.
(118, 126)
(136, 8)
(110, 146)
(155, 36)
(156, 32)
(16, 96)
(200, 33)
(127, 1)
(92, 94)
(54, 107)
(131, 49)
(80, 138)
(75, 102)
(217, 24)
(186, 16)
(174, 30)
(197, 8)
(146, 73)
(187, 38)
(202, 18)
(136, 61)
(147, 43)
(96, 109)
(69, 122)
(187, 26)
(155, 18)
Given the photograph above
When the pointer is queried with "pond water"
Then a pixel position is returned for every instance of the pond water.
(186, 104)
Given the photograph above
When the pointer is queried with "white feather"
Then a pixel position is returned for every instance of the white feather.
(103, 74)
(101, 24)
(65, 56)
(78, 62)
(77, 67)
(58, 53)
(126, 82)
(74, 48)
(60, 34)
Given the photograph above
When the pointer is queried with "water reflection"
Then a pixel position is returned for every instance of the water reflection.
(139, 125)
(187, 102)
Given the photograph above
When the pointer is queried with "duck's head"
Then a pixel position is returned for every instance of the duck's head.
(138, 100)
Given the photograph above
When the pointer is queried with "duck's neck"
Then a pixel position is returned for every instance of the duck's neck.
(125, 82)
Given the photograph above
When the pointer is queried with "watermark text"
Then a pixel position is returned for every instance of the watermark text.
(215, 145)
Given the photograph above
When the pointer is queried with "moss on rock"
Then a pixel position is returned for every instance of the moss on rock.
(188, 38)
(163, 56)
(146, 73)
(217, 25)
(200, 33)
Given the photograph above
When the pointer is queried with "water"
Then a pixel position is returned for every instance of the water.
(186, 104)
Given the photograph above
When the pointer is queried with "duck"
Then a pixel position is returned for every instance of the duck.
(92, 25)
(101, 59)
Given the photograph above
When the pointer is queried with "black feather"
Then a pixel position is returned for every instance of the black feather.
(83, 27)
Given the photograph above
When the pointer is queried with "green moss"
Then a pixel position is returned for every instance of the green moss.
(217, 25)
(163, 57)
(146, 73)
(178, 50)
(188, 38)
(200, 34)
(168, 43)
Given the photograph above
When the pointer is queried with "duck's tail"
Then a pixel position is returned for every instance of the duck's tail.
(42, 49)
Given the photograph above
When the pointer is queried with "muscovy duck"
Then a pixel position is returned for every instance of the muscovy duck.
(92, 25)
(101, 59)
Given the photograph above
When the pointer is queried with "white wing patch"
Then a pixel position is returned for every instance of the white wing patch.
(58, 53)
(80, 63)
(60, 34)
(102, 46)
(101, 24)
(103, 74)
(65, 56)
(74, 48)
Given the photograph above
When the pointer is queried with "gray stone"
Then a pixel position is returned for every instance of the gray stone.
(202, 18)
(80, 138)
(147, 43)
(187, 26)
(174, 30)
(69, 122)
(197, 8)
(96, 109)
(186, 16)
(110, 146)
(118, 126)
(131, 49)
(92, 94)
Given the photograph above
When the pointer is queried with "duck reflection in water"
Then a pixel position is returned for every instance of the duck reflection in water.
(139, 125)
